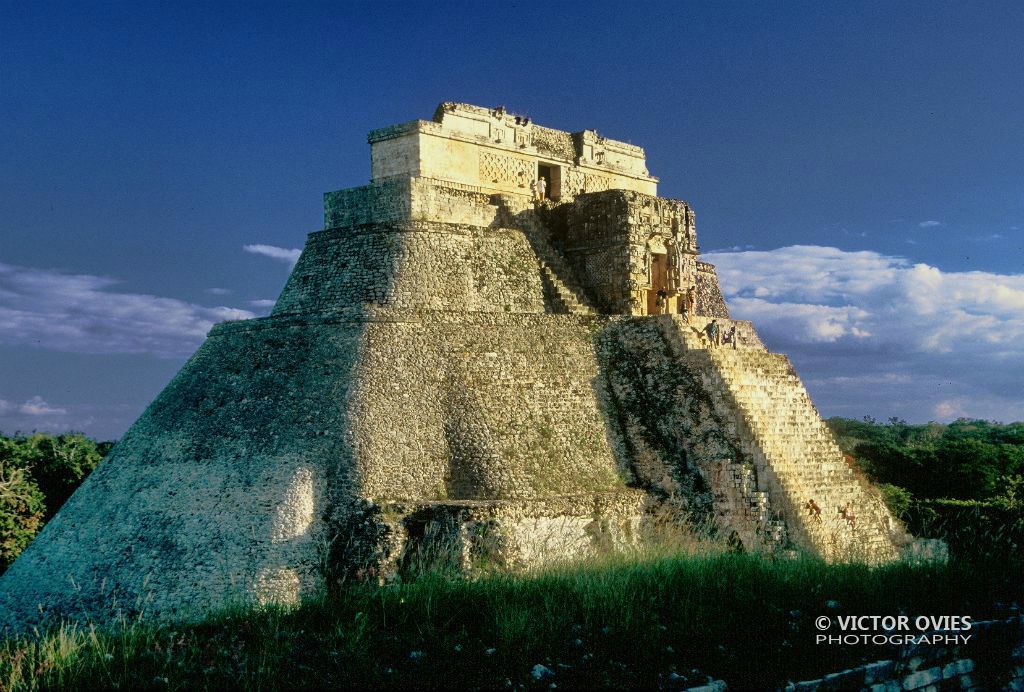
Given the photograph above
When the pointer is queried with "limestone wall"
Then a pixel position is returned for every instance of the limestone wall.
(400, 198)
(217, 493)
(710, 301)
(250, 467)
(415, 266)
(482, 407)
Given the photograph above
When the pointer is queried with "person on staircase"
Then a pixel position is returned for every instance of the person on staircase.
(542, 188)
(847, 514)
(691, 302)
(730, 337)
(813, 510)
(714, 334)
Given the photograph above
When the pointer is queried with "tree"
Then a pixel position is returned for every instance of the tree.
(38, 473)
(21, 510)
(59, 464)
(967, 468)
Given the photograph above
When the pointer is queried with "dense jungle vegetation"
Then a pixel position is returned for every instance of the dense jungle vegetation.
(38, 473)
(963, 482)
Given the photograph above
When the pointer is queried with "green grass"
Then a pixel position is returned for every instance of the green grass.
(620, 622)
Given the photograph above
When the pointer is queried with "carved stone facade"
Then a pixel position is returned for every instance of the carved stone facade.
(499, 152)
(638, 252)
(455, 366)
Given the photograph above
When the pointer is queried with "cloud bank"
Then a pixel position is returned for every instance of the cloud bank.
(33, 414)
(35, 406)
(879, 335)
(291, 256)
(80, 313)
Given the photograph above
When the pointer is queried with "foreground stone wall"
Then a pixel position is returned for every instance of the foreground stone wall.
(992, 659)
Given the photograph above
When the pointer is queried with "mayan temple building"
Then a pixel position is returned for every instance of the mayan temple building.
(456, 365)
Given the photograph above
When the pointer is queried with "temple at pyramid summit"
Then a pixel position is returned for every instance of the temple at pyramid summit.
(499, 351)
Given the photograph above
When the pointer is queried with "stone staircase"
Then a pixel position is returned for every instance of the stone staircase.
(559, 291)
(767, 409)
(562, 290)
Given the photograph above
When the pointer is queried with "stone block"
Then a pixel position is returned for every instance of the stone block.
(961, 667)
(886, 686)
(714, 686)
(878, 672)
(922, 678)
(844, 679)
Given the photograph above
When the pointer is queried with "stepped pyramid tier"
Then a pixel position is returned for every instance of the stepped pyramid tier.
(457, 366)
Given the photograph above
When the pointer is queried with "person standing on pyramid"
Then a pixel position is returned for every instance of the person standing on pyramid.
(661, 302)
(713, 333)
(542, 188)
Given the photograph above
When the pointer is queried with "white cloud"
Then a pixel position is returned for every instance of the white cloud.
(904, 334)
(34, 414)
(37, 407)
(79, 313)
(262, 303)
(291, 256)
(930, 224)
(218, 291)
(734, 248)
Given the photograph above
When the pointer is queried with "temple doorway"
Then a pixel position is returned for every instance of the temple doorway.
(553, 175)
(659, 283)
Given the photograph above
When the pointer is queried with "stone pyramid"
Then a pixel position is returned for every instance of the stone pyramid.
(496, 350)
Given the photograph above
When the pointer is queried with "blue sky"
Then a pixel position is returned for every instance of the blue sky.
(857, 171)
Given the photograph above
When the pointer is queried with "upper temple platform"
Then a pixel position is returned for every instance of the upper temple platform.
(455, 167)
(495, 151)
